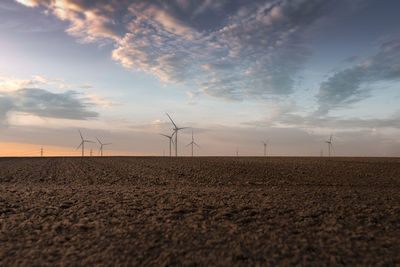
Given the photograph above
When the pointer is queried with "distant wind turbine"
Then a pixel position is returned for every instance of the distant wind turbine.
(171, 141)
(101, 146)
(193, 143)
(82, 144)
(176, 129)
(265, 143)
(330, 145)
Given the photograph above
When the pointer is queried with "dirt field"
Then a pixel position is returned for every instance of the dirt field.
(199, 211)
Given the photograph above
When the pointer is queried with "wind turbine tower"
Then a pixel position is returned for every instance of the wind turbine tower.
(265, 143)
(101, 146)
(171, 141)
(330, 145)
(176, 129)
(82, 144)
(193, 143)
(41, 152)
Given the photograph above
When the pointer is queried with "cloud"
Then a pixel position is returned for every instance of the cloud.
(28, 96)
(9, 84)
(86, 85)
(351, 59)
(351, 85)
(256, 51)
(5, 106)
(40, 79)
(42, 103)
(83, 86)
(192, 95)
(29, 3)
(285, 116)
(233, 51)
(392, 121)
(95, 99)
(89, 20)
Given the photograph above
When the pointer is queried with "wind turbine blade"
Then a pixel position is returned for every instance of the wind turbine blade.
(79, 146)
(98, 140)
(80, 134)
(189, 144)
(166, 135)
(88, 141)
(171, 120)
(196, 144)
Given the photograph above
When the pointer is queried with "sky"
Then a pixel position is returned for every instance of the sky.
(236, 72)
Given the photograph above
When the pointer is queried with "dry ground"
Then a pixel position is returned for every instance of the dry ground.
(199, 211)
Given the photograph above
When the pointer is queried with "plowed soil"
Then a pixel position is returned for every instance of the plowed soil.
(199, 211)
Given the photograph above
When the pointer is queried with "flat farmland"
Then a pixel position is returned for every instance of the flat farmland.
(199, 211)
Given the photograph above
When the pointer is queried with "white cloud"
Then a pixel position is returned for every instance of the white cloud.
(9, 84)
(100, 101)
(29, 3)
(40, 79)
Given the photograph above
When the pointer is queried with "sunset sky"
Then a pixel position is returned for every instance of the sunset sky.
(235, 71)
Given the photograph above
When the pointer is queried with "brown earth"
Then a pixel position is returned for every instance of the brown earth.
(199, 211)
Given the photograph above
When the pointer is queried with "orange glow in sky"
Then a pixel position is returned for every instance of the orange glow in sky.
(29, 150)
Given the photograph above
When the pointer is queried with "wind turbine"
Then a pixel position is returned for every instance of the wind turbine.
(82, 144)
(193, 143)
(176, 129)
(330, 145)
(101, 146)
(265, 143)
(171, 141)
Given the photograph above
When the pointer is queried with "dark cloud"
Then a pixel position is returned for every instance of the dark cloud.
(258, 46)
(5, 106)
(339, 123)
(351, 59)
(351, 85)
(42, 103)
(286, 117)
